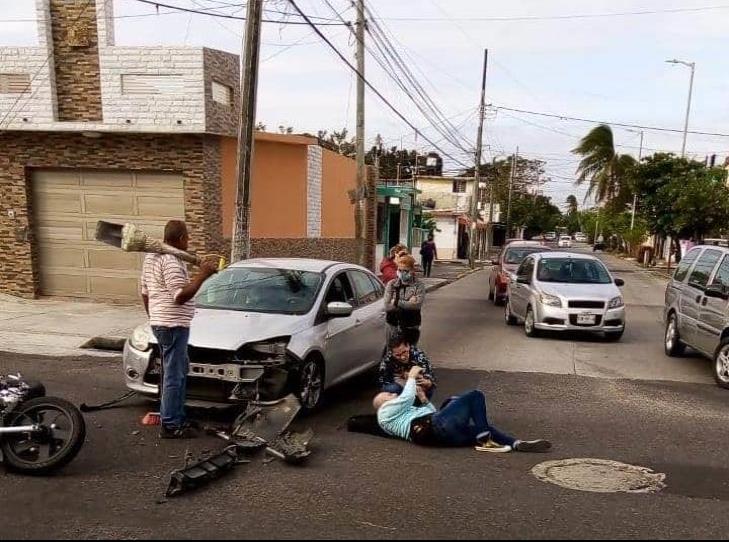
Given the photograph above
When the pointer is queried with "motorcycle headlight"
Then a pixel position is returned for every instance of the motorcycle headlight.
(140, 338)
(551, 300)
(616, 302)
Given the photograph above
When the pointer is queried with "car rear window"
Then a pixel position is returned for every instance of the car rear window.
(516, 255)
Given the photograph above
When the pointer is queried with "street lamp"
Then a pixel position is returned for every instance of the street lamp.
(691, 65)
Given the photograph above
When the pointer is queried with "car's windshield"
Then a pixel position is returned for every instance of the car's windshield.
(572, 270)
(278, 291)
(516, 255)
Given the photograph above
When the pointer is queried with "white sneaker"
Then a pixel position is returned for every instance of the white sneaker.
(493, 448)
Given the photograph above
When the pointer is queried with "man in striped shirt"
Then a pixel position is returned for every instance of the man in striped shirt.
(168, 292)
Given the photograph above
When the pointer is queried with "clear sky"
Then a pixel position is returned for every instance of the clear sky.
(598, 60)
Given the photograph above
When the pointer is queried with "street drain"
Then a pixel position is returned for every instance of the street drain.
(600, 476)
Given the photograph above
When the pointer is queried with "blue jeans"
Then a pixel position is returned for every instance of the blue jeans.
(175, 366)
(463, 422)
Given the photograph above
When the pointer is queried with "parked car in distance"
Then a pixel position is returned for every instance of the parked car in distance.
(581, 237)
(697, 308)
(550, 236)
(266, 328)
(505, 266)
(565, 241)
(559, 291)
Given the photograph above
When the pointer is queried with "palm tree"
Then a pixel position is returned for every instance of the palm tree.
(601, 166)
(572, 205)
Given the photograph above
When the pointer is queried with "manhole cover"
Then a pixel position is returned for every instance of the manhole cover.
(600, 476)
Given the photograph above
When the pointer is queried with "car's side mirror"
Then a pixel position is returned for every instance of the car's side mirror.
(716, 291)
(619, 282)
(337, 309)
(523, 279)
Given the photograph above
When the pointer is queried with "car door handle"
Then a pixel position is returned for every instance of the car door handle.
(705, 301)
(698, 299)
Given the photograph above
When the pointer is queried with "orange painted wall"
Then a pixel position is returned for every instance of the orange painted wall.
(278, 189)
(338, 178)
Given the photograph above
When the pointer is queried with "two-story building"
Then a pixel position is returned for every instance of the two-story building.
(90, 130)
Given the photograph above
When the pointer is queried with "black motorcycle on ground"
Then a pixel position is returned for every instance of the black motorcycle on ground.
(38, 434)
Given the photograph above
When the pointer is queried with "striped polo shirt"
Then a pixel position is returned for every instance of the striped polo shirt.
(163, 278)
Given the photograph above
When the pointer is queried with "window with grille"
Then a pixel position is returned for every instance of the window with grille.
(222, 94)
(142, 83)
(14, 83)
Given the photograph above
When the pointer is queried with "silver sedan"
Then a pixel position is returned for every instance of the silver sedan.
(566, 292)
(265, 328)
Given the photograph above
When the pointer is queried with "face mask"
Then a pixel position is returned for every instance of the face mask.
(404, 276)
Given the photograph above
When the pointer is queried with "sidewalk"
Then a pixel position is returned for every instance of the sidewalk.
(61, 327)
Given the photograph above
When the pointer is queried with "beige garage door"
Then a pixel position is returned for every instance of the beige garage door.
(67, 205)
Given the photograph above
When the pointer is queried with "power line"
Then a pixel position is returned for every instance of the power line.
(366, 82)
(561, 17)
(238, 18)
(622, 124)
(392, 63)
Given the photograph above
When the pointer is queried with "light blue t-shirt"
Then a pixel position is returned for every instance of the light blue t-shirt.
(396, 416)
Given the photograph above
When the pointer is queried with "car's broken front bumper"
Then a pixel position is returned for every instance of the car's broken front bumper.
(225, 382)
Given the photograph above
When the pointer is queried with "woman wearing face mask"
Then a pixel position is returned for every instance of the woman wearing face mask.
(404, 298)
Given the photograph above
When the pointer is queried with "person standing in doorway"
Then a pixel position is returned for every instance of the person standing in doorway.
(167, 294)
(428, 253)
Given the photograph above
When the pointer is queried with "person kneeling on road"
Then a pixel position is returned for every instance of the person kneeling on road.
(462, 422)
(399, 358)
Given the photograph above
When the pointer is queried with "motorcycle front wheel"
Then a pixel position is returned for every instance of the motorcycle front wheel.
(61, 436)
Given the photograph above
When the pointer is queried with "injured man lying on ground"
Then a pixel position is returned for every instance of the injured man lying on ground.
(461, 422)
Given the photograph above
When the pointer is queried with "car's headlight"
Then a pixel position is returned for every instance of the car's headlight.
(616, 302)
(140, 338)
(276, 347)
(550, 300)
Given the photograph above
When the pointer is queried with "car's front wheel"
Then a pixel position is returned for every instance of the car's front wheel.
(721, 364)
(310, 384)
(509, 317)
(530, 328)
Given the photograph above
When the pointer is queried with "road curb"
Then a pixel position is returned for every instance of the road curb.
(448, 282)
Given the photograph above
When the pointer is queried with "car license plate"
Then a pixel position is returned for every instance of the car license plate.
(586, 319)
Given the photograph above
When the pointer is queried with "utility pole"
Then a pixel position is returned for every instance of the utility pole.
(241, 245)
(359, 211)
(691, 65)
(477, 171)
(635, 196)
(511, 189)
(492, 182)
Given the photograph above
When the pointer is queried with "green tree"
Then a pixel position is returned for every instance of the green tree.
(682, 198)
(536, 214)
(606, 171)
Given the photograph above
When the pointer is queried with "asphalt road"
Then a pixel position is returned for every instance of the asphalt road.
(356, 486)
(463, 330)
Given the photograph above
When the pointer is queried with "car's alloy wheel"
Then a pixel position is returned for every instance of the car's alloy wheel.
(311, 385)
(673, 344)
(721, 365)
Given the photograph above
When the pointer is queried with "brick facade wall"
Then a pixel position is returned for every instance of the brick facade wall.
(195, 157)
(225, 69)
(78, 89)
